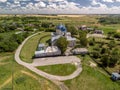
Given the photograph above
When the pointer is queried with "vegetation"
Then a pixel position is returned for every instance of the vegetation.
(72, 30)
(117, 35)
(92, 78)
(62, 44)
(60, 69)
(83, 39)
(112, 19)
(17, 77)
(9, 44)
(30, 47)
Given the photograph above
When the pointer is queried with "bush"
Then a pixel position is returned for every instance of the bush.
(20, 80)
(91, 42)
(95, 54)
(50, 30)
(117, 35)
(112, 44)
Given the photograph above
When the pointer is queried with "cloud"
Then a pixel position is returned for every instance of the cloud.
(59, 6)
(111, 1)
(117, 0)
(3, 0)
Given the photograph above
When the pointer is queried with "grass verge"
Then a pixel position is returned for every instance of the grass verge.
(59, 69)
(30, 46)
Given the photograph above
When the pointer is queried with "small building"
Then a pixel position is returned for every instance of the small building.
(83, 27)
(80, 51)
(115, 76)
(90, 29)
(44, 51)
(98, 32)
(71, 41)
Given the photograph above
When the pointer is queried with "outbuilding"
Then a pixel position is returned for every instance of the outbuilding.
(115, 76)
(80, 51)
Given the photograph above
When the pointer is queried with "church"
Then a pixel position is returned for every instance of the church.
(61, 31)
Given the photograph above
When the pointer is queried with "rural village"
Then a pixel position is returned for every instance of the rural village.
(59, 52)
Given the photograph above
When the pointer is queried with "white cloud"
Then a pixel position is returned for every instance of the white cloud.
(3, 0)
(40, 5)
(109, 1)
(94, 2)
(117, 0)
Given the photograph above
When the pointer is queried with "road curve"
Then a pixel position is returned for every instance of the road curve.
(32, 67)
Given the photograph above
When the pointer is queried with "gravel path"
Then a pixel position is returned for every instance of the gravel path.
(49, 61)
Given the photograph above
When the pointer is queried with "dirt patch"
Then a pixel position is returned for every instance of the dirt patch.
(92, 64)
(3, 63)
(118, 30)
(6, 82)
(29, 74)
(3, 58)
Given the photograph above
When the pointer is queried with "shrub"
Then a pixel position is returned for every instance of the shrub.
(20, 80)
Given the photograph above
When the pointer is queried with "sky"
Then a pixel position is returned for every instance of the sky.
(59, 6)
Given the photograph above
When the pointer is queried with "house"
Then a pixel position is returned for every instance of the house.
(44, 51)
(79, 51)
(62, 31)
(115, 76)
(83, 27)
(98, 32)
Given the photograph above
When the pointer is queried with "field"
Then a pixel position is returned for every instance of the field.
(18, 77)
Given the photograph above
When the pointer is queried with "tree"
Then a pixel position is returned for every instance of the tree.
(17, 38)
(110, 59)
(72, 29)
(103, 50)
(115, 55)
(45, 25)
(83, 39)
(105, 60)
(95, 54)
(92, 42)
(112, 44)
(62, 44)
(110, 35)
(117, 35)
(1, 38)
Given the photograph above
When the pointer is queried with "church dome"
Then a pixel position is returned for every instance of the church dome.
(61, 27)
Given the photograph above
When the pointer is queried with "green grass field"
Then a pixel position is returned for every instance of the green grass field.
(22, 79)
(45, 40)
(60, 69)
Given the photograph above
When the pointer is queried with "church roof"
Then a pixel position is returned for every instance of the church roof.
(61, 27)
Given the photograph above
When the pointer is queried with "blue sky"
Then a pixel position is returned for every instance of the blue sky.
(59, 6)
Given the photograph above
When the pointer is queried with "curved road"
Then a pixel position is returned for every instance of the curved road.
(31, 66)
